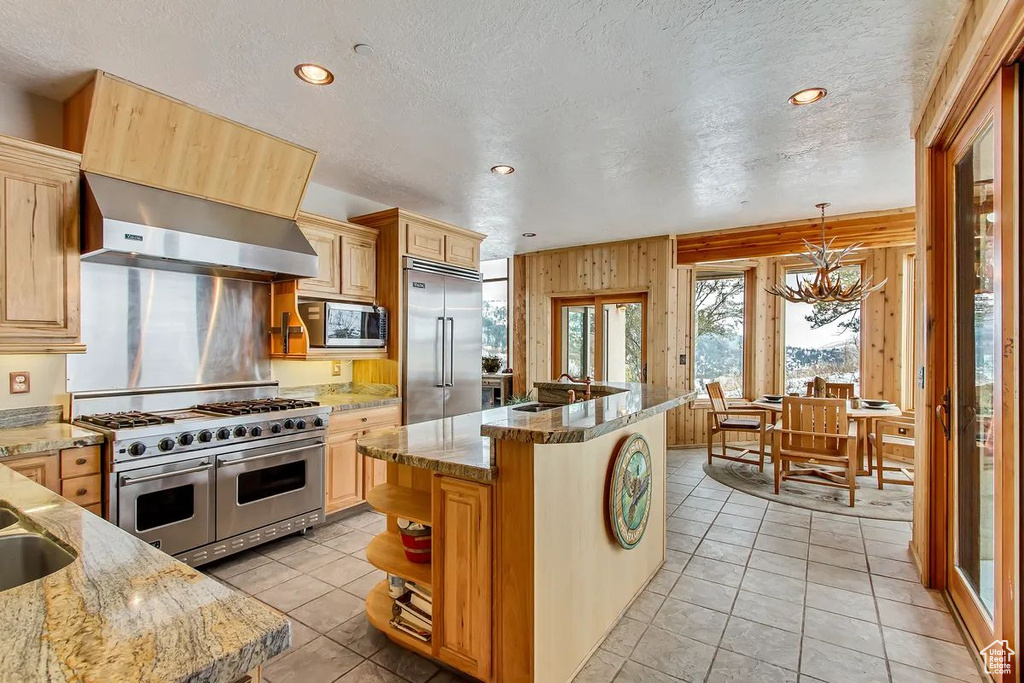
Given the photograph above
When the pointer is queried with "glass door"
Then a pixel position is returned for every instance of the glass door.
(601, 337)
(978, 412)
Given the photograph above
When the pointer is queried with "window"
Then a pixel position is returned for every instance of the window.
(608, 346)
(822, 339)
(495, 309)
(718, 306)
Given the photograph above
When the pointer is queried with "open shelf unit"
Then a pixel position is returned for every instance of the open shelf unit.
(386, 552)
(378, 611)
(401, 501)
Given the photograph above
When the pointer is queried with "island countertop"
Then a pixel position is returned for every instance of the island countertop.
(461, 446)
(123, 610)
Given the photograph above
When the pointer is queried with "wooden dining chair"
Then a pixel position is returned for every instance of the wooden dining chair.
(721, 419)
(843, 390)
(892, 440)
(816, 432)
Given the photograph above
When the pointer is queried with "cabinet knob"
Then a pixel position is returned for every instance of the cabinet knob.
(81, 492)
(365, 419)
(80, 461)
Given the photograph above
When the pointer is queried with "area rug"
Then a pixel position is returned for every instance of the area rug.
(894, 502)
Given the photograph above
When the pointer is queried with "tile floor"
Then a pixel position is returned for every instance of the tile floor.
(750, 591)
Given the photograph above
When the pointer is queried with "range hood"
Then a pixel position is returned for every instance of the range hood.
(136, 225)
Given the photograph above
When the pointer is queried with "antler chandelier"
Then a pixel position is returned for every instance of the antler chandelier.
(826, 284)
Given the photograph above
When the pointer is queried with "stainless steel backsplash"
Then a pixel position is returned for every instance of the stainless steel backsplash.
(148, 328)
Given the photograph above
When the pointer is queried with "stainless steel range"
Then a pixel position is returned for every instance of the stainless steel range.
(236, 469)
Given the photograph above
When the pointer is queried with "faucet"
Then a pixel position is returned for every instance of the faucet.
(572, 393)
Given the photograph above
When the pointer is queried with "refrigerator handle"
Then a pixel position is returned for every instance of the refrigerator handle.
(444, 343)
(451, 355)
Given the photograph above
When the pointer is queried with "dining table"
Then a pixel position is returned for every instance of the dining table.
(864, 416)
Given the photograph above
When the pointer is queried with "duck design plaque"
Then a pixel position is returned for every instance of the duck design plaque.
(629, 497)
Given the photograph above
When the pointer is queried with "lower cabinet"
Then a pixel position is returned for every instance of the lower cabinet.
(74, 473)
(462, 574)
(349, 475)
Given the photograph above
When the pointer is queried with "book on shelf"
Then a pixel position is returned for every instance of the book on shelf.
(410, 613)
(420, 598)
(402, 624)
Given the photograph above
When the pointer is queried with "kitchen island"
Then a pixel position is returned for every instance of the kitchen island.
(119, 609)
(545, 526)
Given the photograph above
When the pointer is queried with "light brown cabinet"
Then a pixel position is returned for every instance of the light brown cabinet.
(74, 473)
(347, 259)
(42, 469)
(423, 240)
(39, 248)
(462, 574)
(462, 251)
(415, 235)
(349, 475)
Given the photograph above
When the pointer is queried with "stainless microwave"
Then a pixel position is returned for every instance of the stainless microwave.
(332, 324)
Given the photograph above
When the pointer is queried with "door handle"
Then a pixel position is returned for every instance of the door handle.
(239, 461)
(451, 355)
(128, 481)
(942, 413)
(442, 349)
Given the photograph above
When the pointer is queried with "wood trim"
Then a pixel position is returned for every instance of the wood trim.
(894, 227)
(341, 227)
(598, 301)
(519, 317)
(388, 216)
(38, 155)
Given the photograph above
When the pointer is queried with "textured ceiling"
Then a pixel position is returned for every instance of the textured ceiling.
(622, 118)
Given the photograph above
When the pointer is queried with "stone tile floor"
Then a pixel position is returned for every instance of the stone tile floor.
(750, 591)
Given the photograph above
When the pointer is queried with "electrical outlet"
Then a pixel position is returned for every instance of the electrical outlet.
(682, 359)
(19, 382)
(336, 368)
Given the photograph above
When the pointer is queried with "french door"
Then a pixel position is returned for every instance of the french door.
(979, 409)
(601, 337)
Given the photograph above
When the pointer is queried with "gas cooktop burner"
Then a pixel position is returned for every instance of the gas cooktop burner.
(132, 418)
(261, 405)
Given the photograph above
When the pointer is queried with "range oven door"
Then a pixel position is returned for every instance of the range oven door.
(268, 484)
(168, 506)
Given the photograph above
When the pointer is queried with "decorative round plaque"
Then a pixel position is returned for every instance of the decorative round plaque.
(629, 497)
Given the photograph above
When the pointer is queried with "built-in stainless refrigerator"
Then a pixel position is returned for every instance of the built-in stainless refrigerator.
(443, 344)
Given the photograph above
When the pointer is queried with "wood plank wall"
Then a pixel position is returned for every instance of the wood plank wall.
(648, 265)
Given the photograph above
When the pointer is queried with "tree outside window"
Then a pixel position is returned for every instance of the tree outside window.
(823, 339)
(718, 346)
(495, 309)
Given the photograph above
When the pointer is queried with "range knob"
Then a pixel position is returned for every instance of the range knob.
(289, 424)
(166, 444)
(239, 431)
(318, 422)
(186, 439)
(256, 431)
(223, 433)
(275, 428)
(137, 449)
(205, 436)
(300, 424)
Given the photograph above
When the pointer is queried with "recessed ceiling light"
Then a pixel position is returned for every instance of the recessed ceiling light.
(807, 96)
(363, 49)
(529, 234)
(502, 169)
(314, 74)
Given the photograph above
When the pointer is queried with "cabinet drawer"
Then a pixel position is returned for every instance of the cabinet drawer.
(422, 240)
(78, 462)
(95, 508)
(82, 490)
(365, 419)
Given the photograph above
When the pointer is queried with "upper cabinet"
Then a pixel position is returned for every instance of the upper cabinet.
(39, 252)
(428, 238)
(348, 259)
(126, 131)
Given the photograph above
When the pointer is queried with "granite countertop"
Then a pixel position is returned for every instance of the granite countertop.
(347, 395)
(49, 436)
(123, 610)
(461, 446)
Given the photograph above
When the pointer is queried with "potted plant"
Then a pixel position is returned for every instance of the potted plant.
(492, 364)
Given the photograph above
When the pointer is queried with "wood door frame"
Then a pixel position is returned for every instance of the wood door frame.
(597, 301)
(998, 105)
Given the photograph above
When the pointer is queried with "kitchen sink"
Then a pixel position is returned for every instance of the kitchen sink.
(28, 557)
(537, 407)
(7, 518)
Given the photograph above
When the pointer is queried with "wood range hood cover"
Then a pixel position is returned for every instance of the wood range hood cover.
(129, 132)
